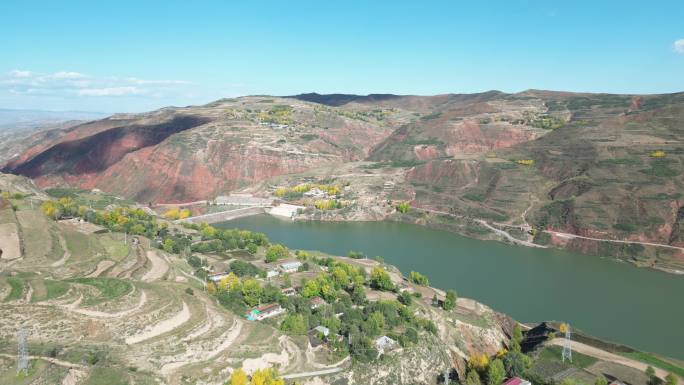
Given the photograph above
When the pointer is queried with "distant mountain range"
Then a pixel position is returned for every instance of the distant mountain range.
(13, 118)
(594, 165)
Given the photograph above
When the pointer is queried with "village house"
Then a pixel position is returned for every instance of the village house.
(289, 291)
(384, 344)
(516, 381)
(216, 278)
(272, 273)
(290, 267)
(265, 311)
(322, 330)
(285, 210)
(317, 302)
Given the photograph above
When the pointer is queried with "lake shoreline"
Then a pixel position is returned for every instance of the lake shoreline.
(543, 284)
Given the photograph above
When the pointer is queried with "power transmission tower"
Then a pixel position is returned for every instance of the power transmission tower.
(22, 352)
(567, 348)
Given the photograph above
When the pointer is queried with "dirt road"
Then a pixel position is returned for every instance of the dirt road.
(572, 236)
(158, 269)
(607, 356)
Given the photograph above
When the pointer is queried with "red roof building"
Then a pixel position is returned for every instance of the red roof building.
(516, 381)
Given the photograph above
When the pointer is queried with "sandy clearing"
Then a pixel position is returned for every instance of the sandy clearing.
(310, 355)
(162, 327)
(101, 267)
(73, 376)
(267, 360)
(100, 314)
(158, 269)
(607, 356)
(10, 248)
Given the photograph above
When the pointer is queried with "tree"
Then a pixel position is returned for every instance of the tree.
(374, 324)
(478, 361)
(311, 289)
(137, 229)
(403, 207)
(251, 290)
(266, 376)
(516, 363)
(496, 372)
(51, 209)
(650, 372)
(294, 324)
(168, 245)
(243, 269)
(380, 279)
(238, 377)
(358, 295)
(472, 378)
(405, 298)
(418, 279)
(208, 232)
(172, 213)
(671, 379)
(276, 252)
(450, 301)
(229, 282)
(601, 381)
(517, 334)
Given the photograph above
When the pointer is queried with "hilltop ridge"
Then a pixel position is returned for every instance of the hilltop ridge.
(599, 166)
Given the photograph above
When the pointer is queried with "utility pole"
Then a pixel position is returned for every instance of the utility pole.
(567, 347)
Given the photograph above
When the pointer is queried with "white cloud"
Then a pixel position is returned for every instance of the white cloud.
(71, 83)
(679, 46)
(20, 74)
(110, 91)
(67, 75)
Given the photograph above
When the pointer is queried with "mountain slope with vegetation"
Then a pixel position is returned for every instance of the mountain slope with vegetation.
(541, 166)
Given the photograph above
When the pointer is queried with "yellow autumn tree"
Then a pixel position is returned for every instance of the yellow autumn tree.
(229, 282)
(238, 378)
(50, 209)
(501, 353)
(211, 288)
(478, 361)
(525, 162)
(172, 213)
(658, 154)
(266, 376)
(184, 214)
(66, 202)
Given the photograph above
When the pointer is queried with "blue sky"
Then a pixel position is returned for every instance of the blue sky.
(121, 55)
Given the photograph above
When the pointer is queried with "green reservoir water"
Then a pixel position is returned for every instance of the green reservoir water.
(615, 301)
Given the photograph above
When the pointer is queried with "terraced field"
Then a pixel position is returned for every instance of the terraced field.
(99, 311)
